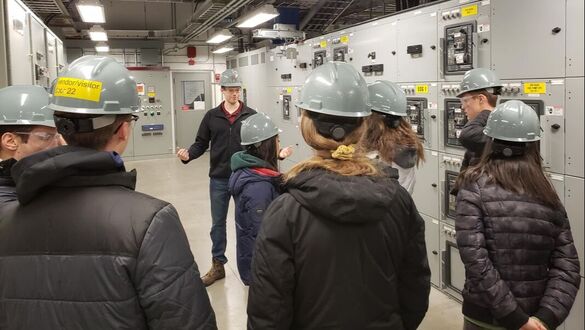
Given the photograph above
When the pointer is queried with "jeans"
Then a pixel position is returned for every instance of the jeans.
(220, 201)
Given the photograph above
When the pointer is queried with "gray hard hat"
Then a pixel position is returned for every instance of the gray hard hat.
(25, 105)
(478, 79)
(95, 85)
(230, 78)
(336, 89)
(388, 98)
(257, 128)
(513, 121)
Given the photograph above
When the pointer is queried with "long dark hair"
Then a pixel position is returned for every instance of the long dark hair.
(386, 140)
(521, 174)
(266, 151)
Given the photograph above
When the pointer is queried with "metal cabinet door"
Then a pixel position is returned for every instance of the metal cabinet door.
(575, 27)
(426, 189)
(574, 127)
(574, 204)
(187, 119)
(530, 44)
(39, 52)
(19, 59)
(433, 248)
(417, 30)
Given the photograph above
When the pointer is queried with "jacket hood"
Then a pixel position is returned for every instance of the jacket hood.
(243, 176)
(69, 166)
(242, 159)
(345, 199)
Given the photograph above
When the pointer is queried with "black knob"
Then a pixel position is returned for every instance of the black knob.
(556, 30)
(484, 41)
(555, 126)
(434, 185)
(435, 252)
(393, 52)
(351, 59)
(433, 116)
(433, 47)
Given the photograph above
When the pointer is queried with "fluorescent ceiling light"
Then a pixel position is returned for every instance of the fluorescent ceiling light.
(97, 33)
(258, 16)
(220, 37)
(91, 11)
(102, 47)
(223, 50)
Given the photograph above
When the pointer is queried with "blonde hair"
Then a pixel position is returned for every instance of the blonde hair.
(356, 165)
(385, 140)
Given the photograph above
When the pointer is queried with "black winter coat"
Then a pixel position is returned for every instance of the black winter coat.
(519, 257)
(7, 185)
(224, 137)
(338, 252)
(83, 250)
(473, 139)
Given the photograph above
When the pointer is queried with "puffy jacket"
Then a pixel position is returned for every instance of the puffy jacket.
(340, 252)
(7, 185)
(473, 139)
(519, 257)
(224, 137)
(254, 186)
(83, 250)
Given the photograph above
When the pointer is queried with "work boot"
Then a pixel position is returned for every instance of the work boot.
(217, 272)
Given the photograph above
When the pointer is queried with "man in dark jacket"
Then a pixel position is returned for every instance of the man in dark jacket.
(82, 249)
(479, 93)
(26, 127)
(220, 127)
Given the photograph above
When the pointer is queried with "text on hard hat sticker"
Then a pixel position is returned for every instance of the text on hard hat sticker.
(87, 90)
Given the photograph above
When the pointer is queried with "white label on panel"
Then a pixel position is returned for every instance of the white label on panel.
(436, 222)
(557, 82)
(271, 58)
(417, 12)
(434, 153)
(485, 2)
(554, 110)
(350, 50)
(483, 28)
(433, 106)
(434, 84)
(393, 23)
(464, 1)
(533, 95)
(556, 177)
(433, 14)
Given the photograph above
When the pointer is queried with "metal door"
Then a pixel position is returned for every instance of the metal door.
(574, 189)
(426, 189)
(432, 244)
(20, 67)
(192, 98)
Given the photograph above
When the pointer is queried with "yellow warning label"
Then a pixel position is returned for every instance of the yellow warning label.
(344, 39)
(151, 94)
(289, 90)
(469, 11)
(535, 88)
(88, 90)
(323, 43)
(422, 89)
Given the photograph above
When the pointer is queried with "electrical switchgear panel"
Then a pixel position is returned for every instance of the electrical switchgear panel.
(455, 119)
(450, 199)
(458, 49)
(319, 58)
(286, 99)
(340, 54)
(415, 115)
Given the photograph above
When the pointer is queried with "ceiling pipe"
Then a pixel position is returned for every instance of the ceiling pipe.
(229, 9)
(309, 16)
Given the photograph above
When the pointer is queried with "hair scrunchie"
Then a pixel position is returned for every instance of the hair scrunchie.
(343, 152)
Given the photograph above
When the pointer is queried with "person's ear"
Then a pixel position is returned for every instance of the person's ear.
(10, 141)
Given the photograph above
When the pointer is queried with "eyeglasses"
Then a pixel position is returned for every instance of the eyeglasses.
(466, 99)
(43, 136)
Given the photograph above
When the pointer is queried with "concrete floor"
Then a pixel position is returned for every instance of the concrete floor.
(187, 188)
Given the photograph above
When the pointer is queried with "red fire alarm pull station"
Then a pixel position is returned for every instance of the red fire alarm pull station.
(191, 52)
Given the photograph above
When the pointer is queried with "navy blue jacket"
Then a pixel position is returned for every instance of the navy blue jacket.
(7, 185)
(253, 192)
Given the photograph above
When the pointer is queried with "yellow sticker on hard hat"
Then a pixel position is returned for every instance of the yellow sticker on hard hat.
(535, 88)
(422, 89)
(87, 90)
(469, 11)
